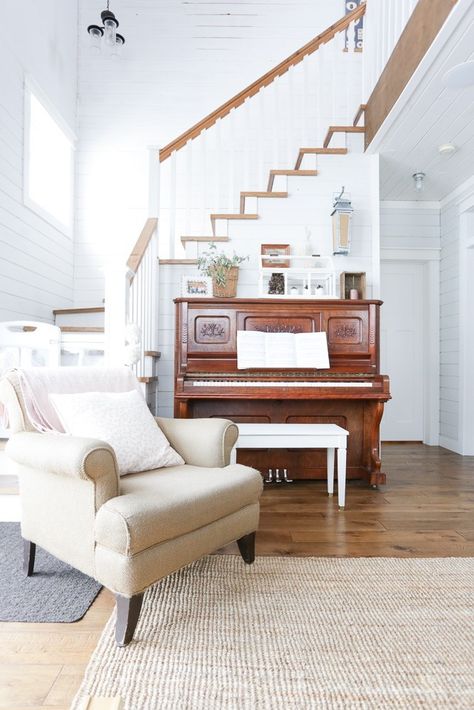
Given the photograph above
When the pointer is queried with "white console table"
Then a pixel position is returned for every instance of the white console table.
(300, 436)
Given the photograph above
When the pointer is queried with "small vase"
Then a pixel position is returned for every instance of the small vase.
(229, 289)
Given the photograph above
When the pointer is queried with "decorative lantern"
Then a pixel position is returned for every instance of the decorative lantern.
(341, 224)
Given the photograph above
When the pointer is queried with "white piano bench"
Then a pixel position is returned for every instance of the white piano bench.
(301, 436)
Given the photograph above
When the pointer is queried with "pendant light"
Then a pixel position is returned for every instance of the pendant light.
(106, 34)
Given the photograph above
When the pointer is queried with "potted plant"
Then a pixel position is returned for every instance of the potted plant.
(223, 269)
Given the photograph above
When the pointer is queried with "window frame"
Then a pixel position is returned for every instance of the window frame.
(32, 88)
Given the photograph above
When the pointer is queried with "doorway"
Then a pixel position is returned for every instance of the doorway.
(403, 290)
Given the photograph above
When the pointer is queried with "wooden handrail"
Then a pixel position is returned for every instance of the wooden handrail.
(138, 251)
(263, 81)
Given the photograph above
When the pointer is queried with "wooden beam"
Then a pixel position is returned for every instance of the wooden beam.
(260, 83)
(80, 329)
(258, 194)
(421, 29)
(138, 251)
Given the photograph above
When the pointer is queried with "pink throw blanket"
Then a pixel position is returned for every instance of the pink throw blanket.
(37, 383)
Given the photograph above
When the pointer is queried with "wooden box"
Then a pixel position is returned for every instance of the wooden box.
(350, 280)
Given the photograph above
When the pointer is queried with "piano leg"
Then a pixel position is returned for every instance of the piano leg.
(181, 409)
(373, 418)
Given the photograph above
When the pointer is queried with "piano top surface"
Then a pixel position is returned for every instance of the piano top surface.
(280, 299)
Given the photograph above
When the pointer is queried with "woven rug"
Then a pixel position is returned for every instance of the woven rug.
(293, 633)
(55, 593)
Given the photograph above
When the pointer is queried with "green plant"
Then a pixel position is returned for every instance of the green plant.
(217, 264)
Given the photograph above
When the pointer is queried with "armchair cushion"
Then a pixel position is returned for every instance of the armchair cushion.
(164, 504)
(123, 420)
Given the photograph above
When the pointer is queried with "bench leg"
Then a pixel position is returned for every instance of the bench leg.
(330, 471)
(341, 477)
(247, 547)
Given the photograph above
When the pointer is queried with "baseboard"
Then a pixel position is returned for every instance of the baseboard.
(452, 444)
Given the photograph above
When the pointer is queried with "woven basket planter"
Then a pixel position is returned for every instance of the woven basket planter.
(229, 290)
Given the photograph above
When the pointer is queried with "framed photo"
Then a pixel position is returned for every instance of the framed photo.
(197, 286)
(277, 252)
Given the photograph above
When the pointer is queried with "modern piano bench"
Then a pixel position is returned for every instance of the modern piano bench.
(300, 436)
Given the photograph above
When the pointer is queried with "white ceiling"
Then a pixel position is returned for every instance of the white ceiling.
(428, 115)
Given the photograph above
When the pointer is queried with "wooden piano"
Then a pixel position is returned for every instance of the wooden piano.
(350, 393)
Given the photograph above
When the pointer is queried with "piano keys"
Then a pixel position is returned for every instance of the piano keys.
(351, 393)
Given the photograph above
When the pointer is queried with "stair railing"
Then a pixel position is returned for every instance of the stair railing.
(261, 128)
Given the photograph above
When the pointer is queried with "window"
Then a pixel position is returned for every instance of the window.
(49, 161)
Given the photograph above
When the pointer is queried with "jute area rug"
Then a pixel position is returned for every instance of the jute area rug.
(55, 592)
(297, 633)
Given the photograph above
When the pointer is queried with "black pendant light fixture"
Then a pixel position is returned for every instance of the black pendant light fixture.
(106, 35)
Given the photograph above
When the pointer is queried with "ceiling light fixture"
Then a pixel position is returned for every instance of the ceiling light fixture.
(461, 76)
(419, 181)
(447, 149)
(112, 40)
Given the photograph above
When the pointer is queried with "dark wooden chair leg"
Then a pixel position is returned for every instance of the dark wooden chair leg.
(128, 611)
(29, 553)
(247, 547)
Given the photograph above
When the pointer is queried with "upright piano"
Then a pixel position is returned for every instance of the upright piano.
(351, 393)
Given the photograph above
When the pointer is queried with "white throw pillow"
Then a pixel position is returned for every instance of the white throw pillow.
(123, 420)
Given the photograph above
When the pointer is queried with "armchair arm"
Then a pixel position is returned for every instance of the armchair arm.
(201, 442)
(70, 456)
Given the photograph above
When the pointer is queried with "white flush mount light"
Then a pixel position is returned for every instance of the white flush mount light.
(418, 179)
(460, 77)
(447, 149)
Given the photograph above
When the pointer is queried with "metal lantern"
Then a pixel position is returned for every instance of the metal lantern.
(341, 224)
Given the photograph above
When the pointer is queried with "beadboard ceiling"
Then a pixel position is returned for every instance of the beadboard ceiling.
(183, 58)
(429, 115)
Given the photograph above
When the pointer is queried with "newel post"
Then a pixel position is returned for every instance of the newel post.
(117, 289)
(153, 181)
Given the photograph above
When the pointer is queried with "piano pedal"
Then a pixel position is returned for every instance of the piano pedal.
(269, 478)
(277, 476)
(285, 476)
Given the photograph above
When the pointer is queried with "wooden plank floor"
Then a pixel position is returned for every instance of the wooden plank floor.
(425, 510)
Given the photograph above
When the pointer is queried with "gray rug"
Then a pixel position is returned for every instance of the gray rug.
(55, 593)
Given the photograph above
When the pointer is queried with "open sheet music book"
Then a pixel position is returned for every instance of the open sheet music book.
(281, 350)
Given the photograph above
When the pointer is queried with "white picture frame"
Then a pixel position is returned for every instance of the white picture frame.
(196, 286)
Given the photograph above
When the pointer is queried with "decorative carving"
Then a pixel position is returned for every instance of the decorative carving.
(279, 328)
(346, 331)
(212, 330)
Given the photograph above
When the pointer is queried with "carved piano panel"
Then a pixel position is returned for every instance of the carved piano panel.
(351, 393)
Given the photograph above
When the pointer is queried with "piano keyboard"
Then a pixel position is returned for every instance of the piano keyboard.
(268, 383)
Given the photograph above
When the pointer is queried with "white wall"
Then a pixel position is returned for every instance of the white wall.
(36, 260)
(409, 225)
(285, 221)
(456, 320)
(180, 62)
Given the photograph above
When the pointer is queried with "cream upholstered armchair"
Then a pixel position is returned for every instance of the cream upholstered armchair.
(130, 532)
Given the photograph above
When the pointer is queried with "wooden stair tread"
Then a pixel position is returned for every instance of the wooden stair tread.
(67, 311)
(341, 129)
(359, 112)
(147, 380)
(258, 194)
(301, 173)
(233, 216)
(153, 353)
(318, 151)
(80, 329)
(185, 262)
(209, 238)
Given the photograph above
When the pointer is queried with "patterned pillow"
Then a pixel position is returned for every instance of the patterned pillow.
(121, 419)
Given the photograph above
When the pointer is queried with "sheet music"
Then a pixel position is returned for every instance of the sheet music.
(281, 350)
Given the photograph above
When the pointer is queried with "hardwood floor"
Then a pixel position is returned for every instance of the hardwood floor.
(425, 510)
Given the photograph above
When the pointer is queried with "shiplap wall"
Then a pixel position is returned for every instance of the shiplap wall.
(409, 225)
(180, 61)
(36, 260)
(308, 207)
(450, 317)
